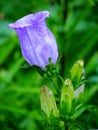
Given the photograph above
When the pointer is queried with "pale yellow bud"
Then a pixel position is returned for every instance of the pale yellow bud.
(48, 104)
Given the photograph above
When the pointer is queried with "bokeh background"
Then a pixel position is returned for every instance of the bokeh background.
(75, 26)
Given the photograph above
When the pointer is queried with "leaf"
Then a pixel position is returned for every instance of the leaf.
(6, 48)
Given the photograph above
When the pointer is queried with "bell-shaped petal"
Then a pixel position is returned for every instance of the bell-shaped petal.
(37, 42)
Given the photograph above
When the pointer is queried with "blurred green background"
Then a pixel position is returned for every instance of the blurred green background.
(75, 26)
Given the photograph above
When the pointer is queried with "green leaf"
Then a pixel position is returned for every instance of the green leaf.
(6, 48)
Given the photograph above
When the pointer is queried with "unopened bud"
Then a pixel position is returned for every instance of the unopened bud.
(81, 88)
(67, 94)
(48, 104)
(76, 71)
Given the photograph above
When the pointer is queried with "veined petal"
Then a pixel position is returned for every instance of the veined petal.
(54, 46)
(30, 20)
(26, 46)
(44, 44)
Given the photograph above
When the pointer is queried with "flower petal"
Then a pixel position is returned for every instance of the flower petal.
(29, 20)
(37, 42)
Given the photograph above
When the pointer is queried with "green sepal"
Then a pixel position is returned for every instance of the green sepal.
(52, 122)
(82, 108)
(77, 125)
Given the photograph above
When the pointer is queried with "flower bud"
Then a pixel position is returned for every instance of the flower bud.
(48, 104)
(81, 88)
(76, 71)
(67, 95)
(37, 42)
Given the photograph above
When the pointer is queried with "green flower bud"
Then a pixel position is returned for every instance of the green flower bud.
(67, 95)
(76, 71)
(48, 104)
(81, 88)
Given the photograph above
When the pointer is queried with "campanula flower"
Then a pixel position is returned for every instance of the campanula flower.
(37, 42)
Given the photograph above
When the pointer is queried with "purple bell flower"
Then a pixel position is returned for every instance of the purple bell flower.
(37, 42)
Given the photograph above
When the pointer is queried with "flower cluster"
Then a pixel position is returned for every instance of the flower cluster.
(38, 46)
